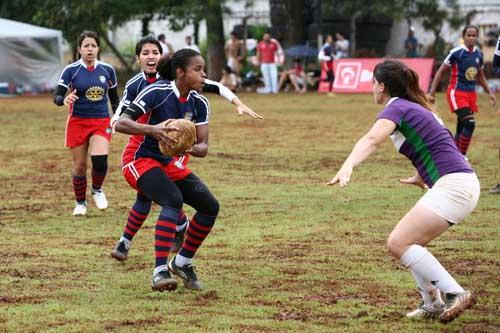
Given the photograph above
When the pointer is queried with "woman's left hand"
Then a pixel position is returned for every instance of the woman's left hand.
(342, 177)
(245, 109)
(414, 180)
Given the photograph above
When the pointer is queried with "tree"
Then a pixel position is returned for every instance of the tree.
(355, 9)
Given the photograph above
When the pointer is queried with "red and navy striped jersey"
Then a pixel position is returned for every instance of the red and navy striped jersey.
(465, 66)
(496, 59)
(92, 85)
(158, 102)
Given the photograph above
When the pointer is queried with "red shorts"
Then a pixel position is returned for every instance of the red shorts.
(175, 170)
(79, 130)
(458, 99)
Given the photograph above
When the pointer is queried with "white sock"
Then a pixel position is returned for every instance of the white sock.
(182, 261)
(430, 294)
(424, 264)
(182, 226)
(126, 241)
(159, 269)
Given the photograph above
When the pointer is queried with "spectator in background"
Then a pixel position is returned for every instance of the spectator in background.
(235, 52)
(191, 45)
(341, 46)
(411, 44)
(229, 79)
(266, 52)
(296, 75)
(165, 46)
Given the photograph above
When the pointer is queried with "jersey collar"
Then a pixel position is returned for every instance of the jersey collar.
(145, 76)
(178, 94)
(85, 65)
(391, 100)
(466, 49)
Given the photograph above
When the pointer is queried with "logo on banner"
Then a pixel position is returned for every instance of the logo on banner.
(347, 75)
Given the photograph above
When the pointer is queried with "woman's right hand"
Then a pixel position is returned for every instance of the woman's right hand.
(70, 98)
(160, 132)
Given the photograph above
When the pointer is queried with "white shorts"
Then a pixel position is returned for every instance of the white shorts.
(453, 196)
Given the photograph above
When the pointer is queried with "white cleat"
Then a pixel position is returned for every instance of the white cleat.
(426, 312)
(100, 200)
(80, 209)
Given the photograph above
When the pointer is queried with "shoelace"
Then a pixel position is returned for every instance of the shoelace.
(190, 272)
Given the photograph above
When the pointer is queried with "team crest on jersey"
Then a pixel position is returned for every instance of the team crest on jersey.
(477, 60)
(102, 78)
(188, 116)
(471, 73)
(94, 93)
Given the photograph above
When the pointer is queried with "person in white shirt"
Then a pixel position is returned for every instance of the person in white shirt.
(190, 45)
(341, 46)
(165, 46)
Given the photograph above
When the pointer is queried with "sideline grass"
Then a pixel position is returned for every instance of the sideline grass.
(287, 254)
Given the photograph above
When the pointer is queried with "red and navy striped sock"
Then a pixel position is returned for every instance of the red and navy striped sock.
(165, 234)
(181, 221)
(80, 187)
(466, 135)
(99, 170)
(198, 229)
(136, 216)
(463, 143)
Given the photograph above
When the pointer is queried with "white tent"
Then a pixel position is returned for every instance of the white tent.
(31, 57)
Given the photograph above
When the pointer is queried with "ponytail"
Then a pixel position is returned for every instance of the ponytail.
(167, 67)
(401, 81)
(413, 91)
(164, 68)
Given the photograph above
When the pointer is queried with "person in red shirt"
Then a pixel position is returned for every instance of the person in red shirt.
(266, 51)
(296, 75)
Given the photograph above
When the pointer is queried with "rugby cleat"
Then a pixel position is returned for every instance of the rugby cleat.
(426, 312)
(495, 190)
(120, 252)
(80, 209)
(100, 199)
(163, 281)
(178, 240)
(187, 274)
(456, 304)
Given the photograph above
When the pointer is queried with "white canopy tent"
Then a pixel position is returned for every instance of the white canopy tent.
(31, 57)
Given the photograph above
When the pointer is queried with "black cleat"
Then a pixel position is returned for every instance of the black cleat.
(179, 239)
(495, 190)
(120, 252)
(187, 274)
(163, 281)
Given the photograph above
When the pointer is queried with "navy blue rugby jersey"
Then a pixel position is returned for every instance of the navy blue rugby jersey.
(92, 85)
(155, 104)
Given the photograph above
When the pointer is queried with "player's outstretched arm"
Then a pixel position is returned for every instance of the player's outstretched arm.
(363, 148)
(437, 78)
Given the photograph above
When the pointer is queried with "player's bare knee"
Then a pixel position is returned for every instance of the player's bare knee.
(395, 246)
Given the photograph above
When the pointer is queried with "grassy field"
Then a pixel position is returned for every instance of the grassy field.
(287, 253)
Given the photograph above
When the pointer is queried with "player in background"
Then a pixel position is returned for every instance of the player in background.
(163, 179)
(90, 83)
(466, 66)
(148, 53)
(453, 186)
(496, 70)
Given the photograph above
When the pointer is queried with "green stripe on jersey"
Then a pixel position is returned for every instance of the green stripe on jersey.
(421, 149)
